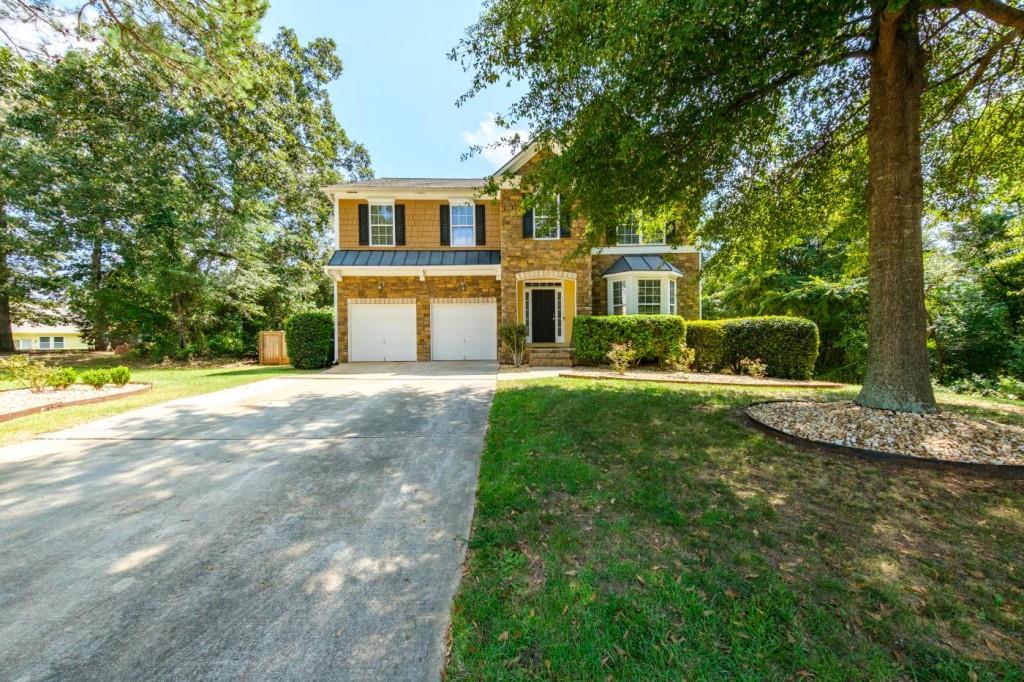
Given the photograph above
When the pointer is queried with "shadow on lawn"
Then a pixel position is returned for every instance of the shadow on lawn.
(760, 558)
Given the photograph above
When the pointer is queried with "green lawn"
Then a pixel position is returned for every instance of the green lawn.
(168, 383)
(639, 531)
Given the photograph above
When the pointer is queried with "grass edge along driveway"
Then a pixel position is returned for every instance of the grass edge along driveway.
(169, 383)
(638, 531)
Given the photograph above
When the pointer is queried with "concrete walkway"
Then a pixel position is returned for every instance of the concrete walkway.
(293, 529)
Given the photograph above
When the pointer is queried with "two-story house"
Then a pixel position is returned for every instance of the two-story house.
(428, 268)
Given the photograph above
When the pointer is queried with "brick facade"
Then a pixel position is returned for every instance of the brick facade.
(522, 259)
(383, 289)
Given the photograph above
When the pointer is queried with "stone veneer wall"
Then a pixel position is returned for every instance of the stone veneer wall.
(687, 291)
(409, 288)
(519, 254)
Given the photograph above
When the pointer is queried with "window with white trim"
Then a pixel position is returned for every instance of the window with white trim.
(671, 297)
(463, 224)
(648, 296)
(382, 224)
(618, 298)
(628, 234)
(24, 344)
(44, 343)
(58, 343)
(545, 220)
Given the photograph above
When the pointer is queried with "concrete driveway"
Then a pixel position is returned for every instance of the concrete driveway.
(297, 528)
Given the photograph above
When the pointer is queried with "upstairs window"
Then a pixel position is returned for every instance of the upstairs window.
(628, 234)
(648, 300)
(463, 224)
(382, 224)
(546, 221)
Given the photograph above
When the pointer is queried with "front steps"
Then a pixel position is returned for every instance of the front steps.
(550, 357)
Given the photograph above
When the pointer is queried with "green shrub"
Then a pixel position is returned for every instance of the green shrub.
(788, 346)
(120, 375)
(310, 339)
(229, 344)
(707, 339)
(61, 378)
(28, 372)
(97, 378)
(621, 356)
(660, 338)
(513, 341)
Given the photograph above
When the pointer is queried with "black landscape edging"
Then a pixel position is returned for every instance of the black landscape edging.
(1010, 471)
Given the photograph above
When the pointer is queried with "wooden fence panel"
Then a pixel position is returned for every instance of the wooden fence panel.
(273, 350)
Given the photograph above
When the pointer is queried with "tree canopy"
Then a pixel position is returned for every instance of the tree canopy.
(179, 220)
(758, 120)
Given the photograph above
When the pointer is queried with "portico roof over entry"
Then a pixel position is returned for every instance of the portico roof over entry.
(641, 263)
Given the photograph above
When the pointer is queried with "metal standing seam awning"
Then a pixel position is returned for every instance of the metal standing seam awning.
(641, 263)
(414, 262)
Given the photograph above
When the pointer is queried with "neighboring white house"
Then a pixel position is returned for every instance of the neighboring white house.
(48, 337)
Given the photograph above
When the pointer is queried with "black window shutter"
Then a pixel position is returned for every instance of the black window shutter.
(565, 220)
(399, 224)
(364, 225)
(481, 225)
(446, 225)
(670, 232)
(528, 223)
(611, 235)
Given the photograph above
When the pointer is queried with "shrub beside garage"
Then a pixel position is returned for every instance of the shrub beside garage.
(310, 339)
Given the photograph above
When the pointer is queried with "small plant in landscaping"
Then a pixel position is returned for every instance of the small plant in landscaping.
(681, 360)
(513, 341)
(97, 378)
(26, 371)
(120, 375)
(753, 367)
(61, 378)
(621, 356)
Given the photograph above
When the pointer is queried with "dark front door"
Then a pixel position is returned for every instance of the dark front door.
(543, 316)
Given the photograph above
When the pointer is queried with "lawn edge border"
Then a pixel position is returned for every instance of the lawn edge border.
(1006, 471)
(666, 380)
(10, 416)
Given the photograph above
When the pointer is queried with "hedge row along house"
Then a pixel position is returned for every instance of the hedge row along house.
(427, 269)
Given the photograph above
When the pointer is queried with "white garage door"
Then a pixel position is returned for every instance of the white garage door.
(381, 331)
(464, 331)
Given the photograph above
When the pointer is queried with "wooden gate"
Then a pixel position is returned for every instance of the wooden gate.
(273, 350)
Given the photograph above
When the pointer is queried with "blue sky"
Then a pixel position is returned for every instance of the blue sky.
(397, 94)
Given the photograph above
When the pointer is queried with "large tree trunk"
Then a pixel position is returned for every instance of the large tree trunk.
(6, 332)
(897, 376)
(100, 324)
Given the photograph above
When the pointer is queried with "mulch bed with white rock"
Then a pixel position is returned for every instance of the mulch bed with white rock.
(22, 401)
(946, 437)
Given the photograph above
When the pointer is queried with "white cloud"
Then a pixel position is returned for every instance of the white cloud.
(489, 136)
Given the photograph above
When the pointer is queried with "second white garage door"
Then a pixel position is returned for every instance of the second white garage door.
(381, 331)
(464, 331)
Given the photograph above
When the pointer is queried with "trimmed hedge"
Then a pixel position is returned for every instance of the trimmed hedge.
(654, 337)
(707, 339)
(787, 345)
(310, 339)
